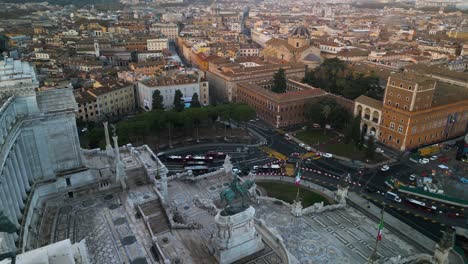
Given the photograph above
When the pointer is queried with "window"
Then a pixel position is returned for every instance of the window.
(398, 141)
(414, 130)
(410, 87)
(401, 85)
(407, 98)
(393, 83)
(400, 129)
(392, 126)
(397, 105)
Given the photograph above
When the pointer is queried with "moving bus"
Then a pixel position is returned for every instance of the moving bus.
(268, 169)
(420, 205)
(197, 170)
(216, 155)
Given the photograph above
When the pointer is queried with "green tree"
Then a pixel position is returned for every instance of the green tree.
(279, 81)
(178, 102)
(370, 150)
(243, 113)
(157, 101)
(195, 101)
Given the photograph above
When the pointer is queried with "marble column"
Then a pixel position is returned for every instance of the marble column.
(7, 204)
(22, 168)
(27, 162)
(19, 171)
(14, 187)
(9, 194)
(17, 177)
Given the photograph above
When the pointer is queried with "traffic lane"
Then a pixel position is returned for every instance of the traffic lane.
(432, 230)
(284, 146)
(434, 217)
(414, 216)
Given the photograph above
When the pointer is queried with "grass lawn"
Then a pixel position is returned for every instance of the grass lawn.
(312, 137)
(287, 192)
(350, 151)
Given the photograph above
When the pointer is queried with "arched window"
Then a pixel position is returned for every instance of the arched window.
(297, 44)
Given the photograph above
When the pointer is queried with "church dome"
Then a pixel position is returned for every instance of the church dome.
(300, 32)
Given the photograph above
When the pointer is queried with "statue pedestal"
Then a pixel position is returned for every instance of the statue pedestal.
(236, 237)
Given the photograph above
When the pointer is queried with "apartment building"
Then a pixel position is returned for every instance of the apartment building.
(168, 30)
(167, 86)
(157, 44)
(109, 100)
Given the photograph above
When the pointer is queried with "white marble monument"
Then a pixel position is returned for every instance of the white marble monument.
(236, 237)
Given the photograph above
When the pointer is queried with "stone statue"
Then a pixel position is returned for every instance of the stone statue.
(236, 197)
(447, 239)
(6, 225)
(114, 130)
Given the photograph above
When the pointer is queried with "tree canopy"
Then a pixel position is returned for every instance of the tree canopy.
(327, 112)
(335, 77)
(279, 81)
(157, 101)
(195, 101)
(178, 101)
(135, 129)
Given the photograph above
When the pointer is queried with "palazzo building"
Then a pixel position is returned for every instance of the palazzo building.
(278, 109)
(416, 111)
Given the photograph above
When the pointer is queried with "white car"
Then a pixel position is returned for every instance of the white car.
(379, 150)
(301, 145)
(434, 157)
(424, 161)
(308, 148)
(412, 177)
(385, 168)
(316, 125)
(327, 155)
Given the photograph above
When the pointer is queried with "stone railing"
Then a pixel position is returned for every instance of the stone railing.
(274, 200)
(319, 208)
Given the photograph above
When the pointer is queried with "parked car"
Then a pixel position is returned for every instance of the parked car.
(434, 158)
(463, 180)
(301, 145)
(412, 177)
(379, 150)
(385, 168)
(316, 125)
(327, 155)
(308, 148)
(424, 161)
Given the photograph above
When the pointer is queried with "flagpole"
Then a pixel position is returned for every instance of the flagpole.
(374, 255)
(298, 185)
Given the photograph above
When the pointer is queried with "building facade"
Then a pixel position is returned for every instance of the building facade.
(279, 110)
(168, 30)
(106, 101)
(416, 111)
(167, 87)
(224, 78)
(157, 44)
